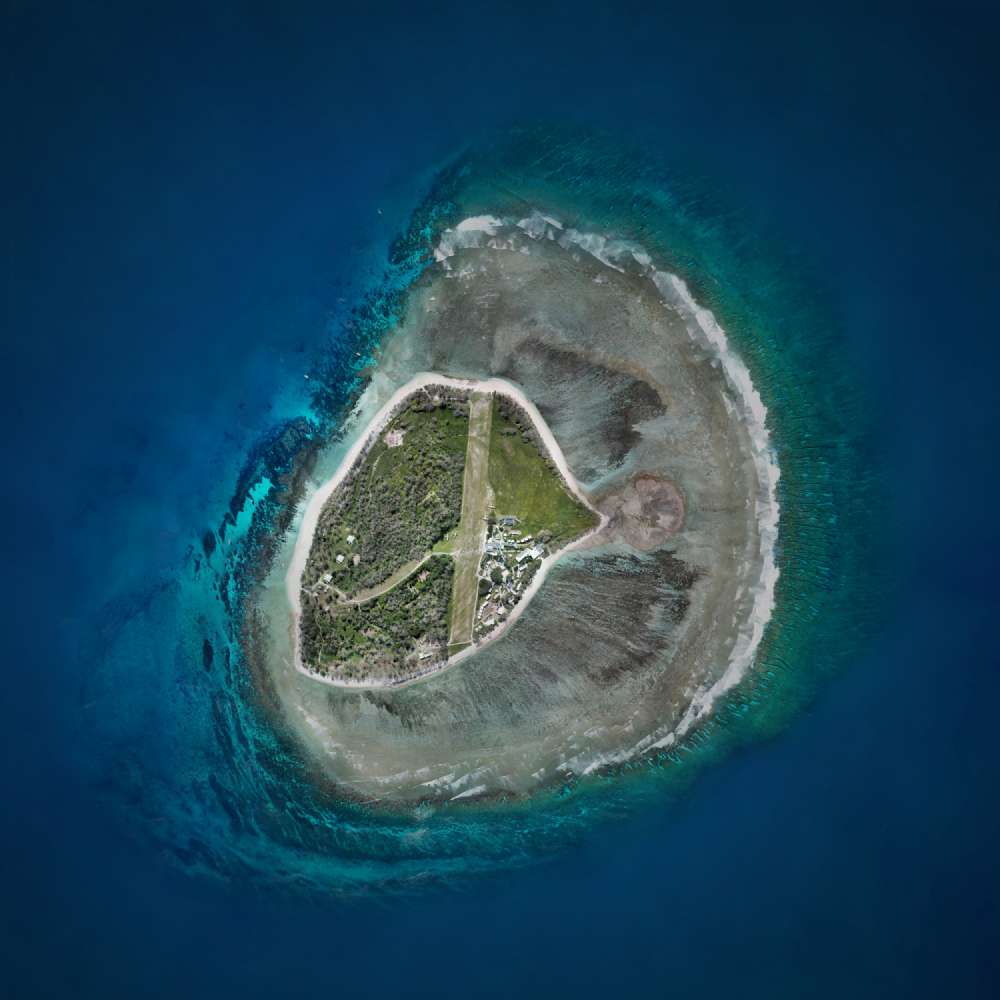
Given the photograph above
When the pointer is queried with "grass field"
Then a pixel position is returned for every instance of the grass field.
(524, 485)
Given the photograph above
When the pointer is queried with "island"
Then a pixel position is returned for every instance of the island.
(434, 534)
(625, 635)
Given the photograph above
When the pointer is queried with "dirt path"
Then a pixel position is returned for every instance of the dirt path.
(470, 536)
(386, 585)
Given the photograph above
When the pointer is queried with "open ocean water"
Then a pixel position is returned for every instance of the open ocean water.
(196, 198)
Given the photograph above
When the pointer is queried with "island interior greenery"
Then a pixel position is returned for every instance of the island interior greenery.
(524, 479)
(432, 538)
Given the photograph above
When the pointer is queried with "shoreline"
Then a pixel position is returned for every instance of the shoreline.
(314, 506)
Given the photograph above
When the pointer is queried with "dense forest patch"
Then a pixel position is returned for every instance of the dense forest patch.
(390, 637)
(398, 501)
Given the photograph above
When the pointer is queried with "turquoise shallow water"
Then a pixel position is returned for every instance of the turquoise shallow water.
(224, 792)
(194, 208)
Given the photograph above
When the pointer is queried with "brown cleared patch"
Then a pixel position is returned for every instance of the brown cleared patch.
(645, 512)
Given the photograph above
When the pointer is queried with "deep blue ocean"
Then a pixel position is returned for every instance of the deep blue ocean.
(195, 197)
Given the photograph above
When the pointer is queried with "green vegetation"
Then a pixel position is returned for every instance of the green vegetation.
(526, 483)
(408, 564)
(400, 500)
(390, 637)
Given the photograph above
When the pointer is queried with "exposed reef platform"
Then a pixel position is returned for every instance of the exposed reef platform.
(631, 631)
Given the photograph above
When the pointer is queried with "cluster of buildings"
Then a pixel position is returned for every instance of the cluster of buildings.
(510, 559)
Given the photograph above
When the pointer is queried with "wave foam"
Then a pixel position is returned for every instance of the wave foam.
(467, 234)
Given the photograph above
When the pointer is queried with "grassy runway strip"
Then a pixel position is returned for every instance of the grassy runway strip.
(470, 535)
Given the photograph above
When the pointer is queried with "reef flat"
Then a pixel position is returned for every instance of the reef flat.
(631, 636)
